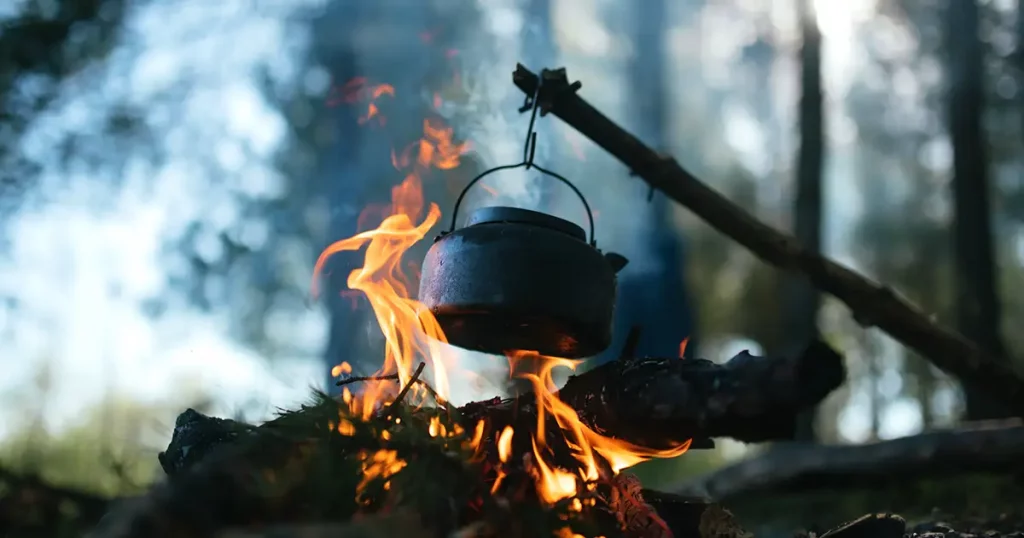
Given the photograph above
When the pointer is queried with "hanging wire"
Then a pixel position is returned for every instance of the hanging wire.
(530, 103)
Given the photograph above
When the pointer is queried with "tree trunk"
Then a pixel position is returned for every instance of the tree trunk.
(977, 307)
(1019, 53)
(801, 298)
(655, 303)
(345, 341)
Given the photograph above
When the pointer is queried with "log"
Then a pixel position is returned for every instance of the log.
(650, 402)
(871, 304)
(659, 402)
(993, 447)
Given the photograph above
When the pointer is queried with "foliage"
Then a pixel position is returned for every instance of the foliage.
(45, 44)
(109, 451)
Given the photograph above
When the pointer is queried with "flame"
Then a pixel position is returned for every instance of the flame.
(382, 464)
(556, 484)
(682, 347)
(342, 369)
(411, 333)
(504, 454)
(413, 336)
(358, 90)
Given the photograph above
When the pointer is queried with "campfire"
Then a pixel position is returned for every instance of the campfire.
(561, 458)
(392, 455)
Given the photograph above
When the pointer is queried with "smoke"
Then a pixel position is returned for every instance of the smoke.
(505, 36)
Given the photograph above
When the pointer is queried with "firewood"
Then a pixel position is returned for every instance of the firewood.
(656, 402)
(872, 304)
(984, 447)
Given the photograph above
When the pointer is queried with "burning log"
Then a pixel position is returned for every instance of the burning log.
(993, 447)
(655, 402)
(871, 304)
(219, 468)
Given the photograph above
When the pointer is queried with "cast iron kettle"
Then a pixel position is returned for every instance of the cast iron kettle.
(514, 279)
(519, 279)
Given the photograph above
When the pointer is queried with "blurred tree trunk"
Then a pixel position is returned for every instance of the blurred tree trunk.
(976, 304)
(872, 354)
(657, 303)
(1019, 53)
(801, 299)
(922, 371)
(334, 47)
(763, 288)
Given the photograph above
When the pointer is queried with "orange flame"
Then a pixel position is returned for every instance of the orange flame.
(413, 335)
(360, 89)
(556, 484)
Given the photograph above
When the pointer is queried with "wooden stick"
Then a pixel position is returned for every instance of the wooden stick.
(871, 304)
(985, 447)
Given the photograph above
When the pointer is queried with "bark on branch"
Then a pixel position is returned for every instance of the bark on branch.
(871, 304)
(986, 447)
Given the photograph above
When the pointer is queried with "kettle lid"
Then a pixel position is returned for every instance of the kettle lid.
(516, 215)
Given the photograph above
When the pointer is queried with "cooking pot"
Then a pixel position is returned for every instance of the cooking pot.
(516, 279)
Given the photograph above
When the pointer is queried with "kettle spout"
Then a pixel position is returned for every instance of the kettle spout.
(616, 261)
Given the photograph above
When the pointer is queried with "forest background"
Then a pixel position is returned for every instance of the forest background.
(172, 169)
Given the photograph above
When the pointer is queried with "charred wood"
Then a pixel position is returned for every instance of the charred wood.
(652, 402)
(215, 478)
(659, 402)
(985, 447)
(872, 304)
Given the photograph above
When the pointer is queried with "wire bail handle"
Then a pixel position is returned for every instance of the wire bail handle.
(530, 103)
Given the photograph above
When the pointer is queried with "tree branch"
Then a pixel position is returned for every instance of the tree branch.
(985, 447)
(871, 304)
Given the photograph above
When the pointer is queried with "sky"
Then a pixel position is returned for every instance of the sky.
(85, 256)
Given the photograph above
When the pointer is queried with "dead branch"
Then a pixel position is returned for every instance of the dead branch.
(871, 304)
(984, 447)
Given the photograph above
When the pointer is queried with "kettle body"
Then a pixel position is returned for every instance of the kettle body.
(516, 279)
